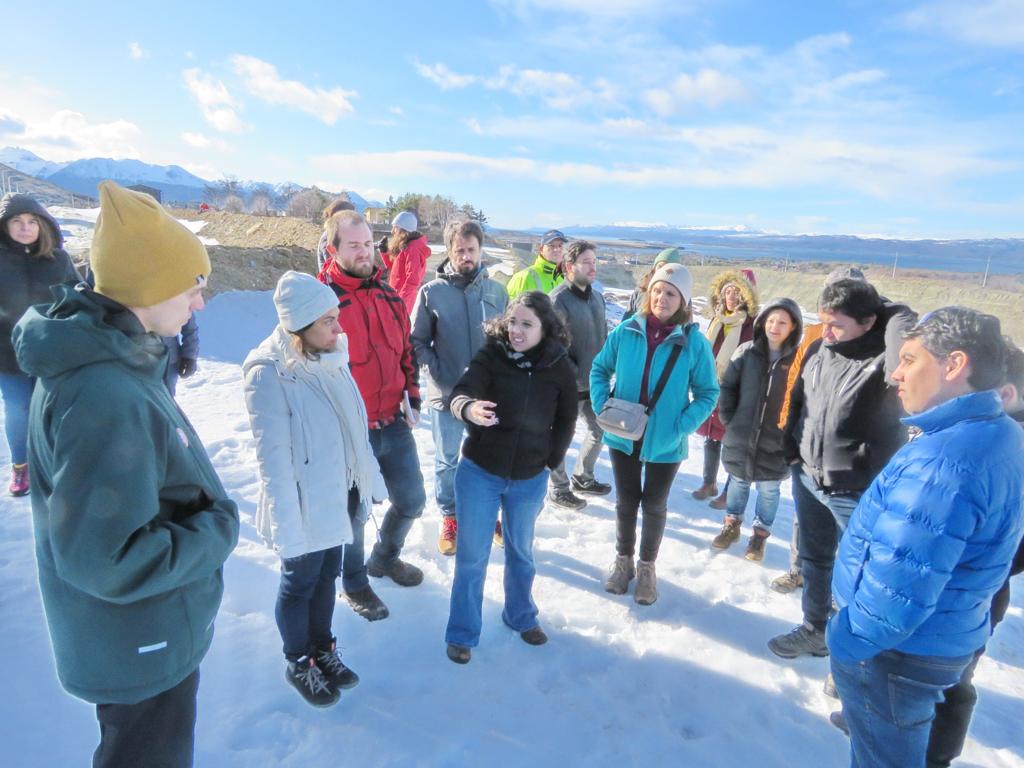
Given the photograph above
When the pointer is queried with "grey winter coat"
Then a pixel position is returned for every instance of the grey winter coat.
(447, 326)
(584, 312)
(25, 278)
(753, 389)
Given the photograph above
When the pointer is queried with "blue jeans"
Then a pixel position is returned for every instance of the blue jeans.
(448, 432)
(305, 601)
(17, 394)
(889, 702)
(590, 449)
(822, 519)
(478, 495)
(767, 500)
(395, 450)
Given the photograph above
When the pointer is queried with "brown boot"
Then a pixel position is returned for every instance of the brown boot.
(755, 547)
(729, 534)
(719, 501)
(705, 491)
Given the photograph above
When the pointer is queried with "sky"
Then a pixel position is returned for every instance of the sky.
(901, 119)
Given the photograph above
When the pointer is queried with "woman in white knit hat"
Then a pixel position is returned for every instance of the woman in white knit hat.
(318, 476)
(405, 256)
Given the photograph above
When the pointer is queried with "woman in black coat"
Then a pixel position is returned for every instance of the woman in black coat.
(31, 260)
(518, 399)
(753, 389)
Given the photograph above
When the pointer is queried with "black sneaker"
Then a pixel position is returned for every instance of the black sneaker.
(589, 487)
(534, 636)
(305, 677)
(460, 654)
(329, 662)
(400, 572)
(802, 641)
(566, 500)
(366, 603)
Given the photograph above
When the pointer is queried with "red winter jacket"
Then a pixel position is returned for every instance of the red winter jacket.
(407, 268)
(380, 352)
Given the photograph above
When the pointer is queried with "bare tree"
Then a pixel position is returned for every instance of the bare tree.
(261, 203)
(308, 204)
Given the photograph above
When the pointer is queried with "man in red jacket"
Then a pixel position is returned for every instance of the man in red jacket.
(376, 323)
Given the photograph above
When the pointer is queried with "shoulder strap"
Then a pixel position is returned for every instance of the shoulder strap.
(663, 380)
(537, 285)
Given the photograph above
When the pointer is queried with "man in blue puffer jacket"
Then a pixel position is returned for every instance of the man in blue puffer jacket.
(930, 542)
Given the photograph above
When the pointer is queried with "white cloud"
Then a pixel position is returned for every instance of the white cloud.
(600, 8)
(135, 51)
(201, 141)
(68, 135)
(216, 103)
(397, 111)
(443, 77)
(830, 89)
(424, 163)
(995, 23)
(709, 88)
(263, 81)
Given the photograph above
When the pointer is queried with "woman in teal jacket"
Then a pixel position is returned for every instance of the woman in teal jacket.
(635, 355)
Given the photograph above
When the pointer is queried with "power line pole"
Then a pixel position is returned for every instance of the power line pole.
(895, 261)
(988, 264)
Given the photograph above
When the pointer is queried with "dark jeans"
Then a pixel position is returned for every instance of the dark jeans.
(712, 458)
(889, 702)
(395, 449)
(305, 601)
(158, 732)
(822, 520)
(633, 492)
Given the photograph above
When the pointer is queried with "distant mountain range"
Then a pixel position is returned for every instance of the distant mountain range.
(174, 182)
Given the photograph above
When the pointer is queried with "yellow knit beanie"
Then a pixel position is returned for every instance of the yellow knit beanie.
(140, 254)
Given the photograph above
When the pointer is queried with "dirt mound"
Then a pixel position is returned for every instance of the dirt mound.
(242, 230)
(255, 269)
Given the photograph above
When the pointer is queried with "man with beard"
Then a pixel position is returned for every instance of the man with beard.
(583, 310)
(447, 330)
(374, 318)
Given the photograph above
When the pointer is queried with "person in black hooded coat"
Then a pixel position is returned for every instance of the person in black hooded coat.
(753, 390)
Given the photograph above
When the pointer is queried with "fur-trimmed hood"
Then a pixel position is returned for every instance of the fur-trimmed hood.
(751, 303)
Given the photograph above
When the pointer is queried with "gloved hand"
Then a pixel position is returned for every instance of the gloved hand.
(382, 246)
(186, 367)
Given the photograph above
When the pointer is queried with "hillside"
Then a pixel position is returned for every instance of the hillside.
(46, 192)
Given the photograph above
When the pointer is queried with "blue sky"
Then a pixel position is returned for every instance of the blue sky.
(898, 118)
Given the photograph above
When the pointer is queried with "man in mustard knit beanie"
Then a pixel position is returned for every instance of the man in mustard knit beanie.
(132, 523)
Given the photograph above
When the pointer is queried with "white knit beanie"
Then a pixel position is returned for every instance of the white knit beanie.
(301, 300)
(677, 275)
(405, 220)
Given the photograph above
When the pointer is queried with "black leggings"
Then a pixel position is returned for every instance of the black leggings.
(632, 493)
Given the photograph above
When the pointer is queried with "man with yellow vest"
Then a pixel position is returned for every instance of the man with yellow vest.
(545, 273)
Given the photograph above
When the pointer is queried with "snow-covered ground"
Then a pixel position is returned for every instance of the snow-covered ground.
(77, 225)
(685, 682)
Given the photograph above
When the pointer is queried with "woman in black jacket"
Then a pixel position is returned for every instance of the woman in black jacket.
(518, 399)
(31, 260)
(753, 389)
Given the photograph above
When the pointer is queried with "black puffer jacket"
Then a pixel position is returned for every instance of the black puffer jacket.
(753, 389)
(25, 278)
(844, 425)
(536, 410)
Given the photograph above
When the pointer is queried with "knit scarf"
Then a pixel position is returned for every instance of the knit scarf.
(525, 360)
(730, 325)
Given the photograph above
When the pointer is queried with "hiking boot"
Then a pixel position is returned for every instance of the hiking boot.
(499, 537)
(589, 487)
(449, 531)
(460, 654)
(621, 574)
(646, 583)
(399, 571)
(534, 636)
(839, 721)
(802, 641)
(306, 678)
(719, 501)
(729, 534)
(829, 687)
(366, 603)
(705, 491)
(788, 582)
(19, 480)
(755, 547)
(566, 499)
(329, 662)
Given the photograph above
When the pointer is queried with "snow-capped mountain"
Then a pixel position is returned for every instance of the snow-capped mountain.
(172, 180)
(28, 162)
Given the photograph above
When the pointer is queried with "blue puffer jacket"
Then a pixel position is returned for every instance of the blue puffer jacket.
(675, 415)
(932, 539)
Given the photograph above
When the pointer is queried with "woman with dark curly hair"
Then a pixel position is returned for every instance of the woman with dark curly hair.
(518, 399)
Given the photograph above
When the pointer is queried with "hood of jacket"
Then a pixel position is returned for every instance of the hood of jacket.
(793, 340)
(874, 342)
(747, 291)
(15, 205)
(82, 328)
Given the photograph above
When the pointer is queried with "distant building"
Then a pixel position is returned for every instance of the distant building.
(376, 216)
(151, 191)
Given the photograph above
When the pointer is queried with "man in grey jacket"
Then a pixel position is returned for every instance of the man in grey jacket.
(584, 312)
(447, 330)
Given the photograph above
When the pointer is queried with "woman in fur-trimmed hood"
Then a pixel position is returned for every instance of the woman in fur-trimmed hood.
(733, 302)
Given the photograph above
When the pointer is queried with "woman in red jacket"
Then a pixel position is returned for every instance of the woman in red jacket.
(405, 256)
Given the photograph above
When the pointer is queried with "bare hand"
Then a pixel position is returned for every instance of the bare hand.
(481, 412)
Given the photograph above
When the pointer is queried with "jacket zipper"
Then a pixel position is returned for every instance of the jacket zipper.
(519, 429)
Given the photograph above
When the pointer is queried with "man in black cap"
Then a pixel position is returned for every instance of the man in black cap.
(545, 273)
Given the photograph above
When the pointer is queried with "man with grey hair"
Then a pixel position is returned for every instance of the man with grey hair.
(930, 542)
(447, 330)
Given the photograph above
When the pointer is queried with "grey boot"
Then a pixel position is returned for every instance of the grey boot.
(621, 574)
(646, 583)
